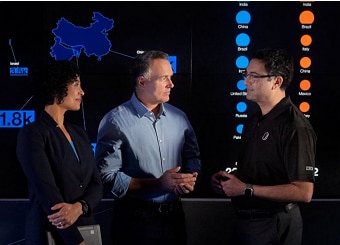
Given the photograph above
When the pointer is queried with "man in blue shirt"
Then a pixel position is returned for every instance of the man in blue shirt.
(148, 156)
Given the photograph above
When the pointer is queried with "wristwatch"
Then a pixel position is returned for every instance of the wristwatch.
(84, 207)
(249, 191)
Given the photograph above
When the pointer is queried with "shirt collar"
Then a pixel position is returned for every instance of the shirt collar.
(142, 110)
(278, 108)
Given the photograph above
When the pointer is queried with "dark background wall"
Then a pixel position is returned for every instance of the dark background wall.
(202, 35)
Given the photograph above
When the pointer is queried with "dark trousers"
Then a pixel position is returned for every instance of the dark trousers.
(145, 223)
(282, 228)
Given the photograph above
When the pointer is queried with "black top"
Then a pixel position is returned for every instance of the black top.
(55, 174)
(278, 148)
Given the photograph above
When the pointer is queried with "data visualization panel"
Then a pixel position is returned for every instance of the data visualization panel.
(210, 45)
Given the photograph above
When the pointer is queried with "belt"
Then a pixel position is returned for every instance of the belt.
(264, 213)
(166, 207)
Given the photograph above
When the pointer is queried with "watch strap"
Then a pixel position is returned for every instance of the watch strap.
(84, 207)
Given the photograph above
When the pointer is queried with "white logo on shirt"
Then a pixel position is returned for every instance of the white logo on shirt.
(265, 136)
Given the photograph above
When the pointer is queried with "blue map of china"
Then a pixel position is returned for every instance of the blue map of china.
(72, 40)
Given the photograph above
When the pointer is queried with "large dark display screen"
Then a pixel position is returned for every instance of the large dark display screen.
(209, 44)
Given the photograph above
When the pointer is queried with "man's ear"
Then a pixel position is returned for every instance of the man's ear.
(141, 81)
(278, 82)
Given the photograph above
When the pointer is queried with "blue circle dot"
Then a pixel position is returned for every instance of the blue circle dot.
(240, 85)
(239, 128)
(242, 62)
(242, 39)
(243, 17)
(241, 107)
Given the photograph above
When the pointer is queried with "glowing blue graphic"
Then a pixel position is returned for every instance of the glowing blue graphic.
(243, 17)
(72, 40)
(173, 62)
(242, 40)
(241, 107)
(242, 62)
(239, 128)
(240, 85)
(16, 119)
(18, 71)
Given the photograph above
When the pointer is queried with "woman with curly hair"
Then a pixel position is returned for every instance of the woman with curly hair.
(58, 161)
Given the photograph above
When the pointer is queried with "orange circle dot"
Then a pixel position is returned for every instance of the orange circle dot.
(306, 40)
(304, 107)
(305, 62)
(306, 17)
(305, 85)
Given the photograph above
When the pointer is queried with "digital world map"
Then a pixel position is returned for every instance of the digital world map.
(71, 40)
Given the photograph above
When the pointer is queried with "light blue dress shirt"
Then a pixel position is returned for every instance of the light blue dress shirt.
(132, 142)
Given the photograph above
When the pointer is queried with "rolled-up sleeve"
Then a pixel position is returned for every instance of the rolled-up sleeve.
(109, 160)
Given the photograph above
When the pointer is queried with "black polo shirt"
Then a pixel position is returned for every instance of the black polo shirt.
(278, 148)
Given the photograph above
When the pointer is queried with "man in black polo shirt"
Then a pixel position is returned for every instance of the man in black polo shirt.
(276, 165)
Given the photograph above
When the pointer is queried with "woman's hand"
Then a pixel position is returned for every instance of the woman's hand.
(67, 214)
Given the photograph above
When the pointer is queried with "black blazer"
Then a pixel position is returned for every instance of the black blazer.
(55, 174)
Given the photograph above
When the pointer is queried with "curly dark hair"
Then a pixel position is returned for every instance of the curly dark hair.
(277, 62)
(54, 85)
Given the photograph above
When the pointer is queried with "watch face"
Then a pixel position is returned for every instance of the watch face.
(248, 191)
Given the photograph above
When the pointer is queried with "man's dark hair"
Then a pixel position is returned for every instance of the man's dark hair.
(141, 63)
(277, 62)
